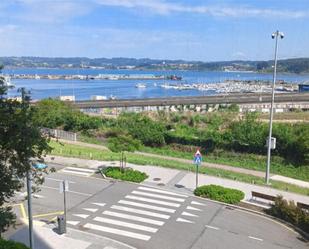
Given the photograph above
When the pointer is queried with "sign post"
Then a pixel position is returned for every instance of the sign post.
(64, 187)
(197, 162)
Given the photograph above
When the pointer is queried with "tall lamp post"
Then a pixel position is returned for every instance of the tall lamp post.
(274, 35)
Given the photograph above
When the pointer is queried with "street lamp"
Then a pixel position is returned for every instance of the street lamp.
(274, 35)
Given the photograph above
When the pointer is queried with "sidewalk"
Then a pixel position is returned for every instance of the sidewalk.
(46, 237)
(204, 164)
(180, 180)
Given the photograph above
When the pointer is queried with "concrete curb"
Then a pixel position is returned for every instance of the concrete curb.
(282, 222)
(272, 218)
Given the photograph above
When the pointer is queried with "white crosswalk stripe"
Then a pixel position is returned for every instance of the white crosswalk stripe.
(138, 215)
(137, 204)
(99, 204)
(77, 171)
(92, 210)
(126, 224)
(193, 208)
(165, 203)
(161, 191)
(139, 211)
(158, 196)
(188, 214)
(83, 216)
(133, 217)
(72, 222)
(117, 231)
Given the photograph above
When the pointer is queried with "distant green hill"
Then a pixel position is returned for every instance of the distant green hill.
(298, 65)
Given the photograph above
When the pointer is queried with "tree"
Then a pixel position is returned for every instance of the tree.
(21, 143)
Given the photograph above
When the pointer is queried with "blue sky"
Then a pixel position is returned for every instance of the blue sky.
(208, 30)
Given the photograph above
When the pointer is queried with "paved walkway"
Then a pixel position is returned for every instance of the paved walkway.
(46, 237)
(204, 164)
(180, 180)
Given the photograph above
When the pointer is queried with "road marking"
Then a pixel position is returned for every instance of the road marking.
(75, 172)
(133, 217)
(117, 231)
(23, 211)
(251, 237)
(80, 169)
(184, 220)
(57, 180)
(139, 211)
(193, 208)
(84, 216)
(197, 203)
(126, 224)
(161, 191)
(47, 214)
(136, 204)
(99, 204)
(92, 210)
(152, 201)
(211, 227)
(158, 196)
(71, 222)
(38, 196)
(188, 214)
(73, 192)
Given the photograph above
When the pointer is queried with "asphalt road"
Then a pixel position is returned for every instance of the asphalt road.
(147, 217)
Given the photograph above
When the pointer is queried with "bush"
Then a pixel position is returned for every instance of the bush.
(126, 174)
(289, 212)
(8, 244)
(219, 193)
(123, 143)
(141, 127)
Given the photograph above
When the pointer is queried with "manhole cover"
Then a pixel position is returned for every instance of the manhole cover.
(161, 184)
(157, 179)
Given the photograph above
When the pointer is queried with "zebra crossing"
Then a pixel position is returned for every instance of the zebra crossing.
(78, 171)
(138, 215)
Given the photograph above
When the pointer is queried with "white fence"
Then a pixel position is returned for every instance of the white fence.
(66, 135)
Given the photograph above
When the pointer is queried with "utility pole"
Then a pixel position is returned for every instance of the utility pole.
(65, 186)
(29, 186)
(29, 209)
(269, 141)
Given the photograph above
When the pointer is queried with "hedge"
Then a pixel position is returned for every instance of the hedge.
(126, 174)
(288, 211)
(8, 244)
(219, 193)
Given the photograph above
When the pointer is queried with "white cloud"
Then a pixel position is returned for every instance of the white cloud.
(41, 11)
(164, 7)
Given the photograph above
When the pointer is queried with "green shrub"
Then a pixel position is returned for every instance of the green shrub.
(8, 244)
(288, 211)
(219, 193)
(126, 174)
(123, 143)
(141, 127)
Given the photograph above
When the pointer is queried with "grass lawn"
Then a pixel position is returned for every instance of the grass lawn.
(241, 160)
(104, 155)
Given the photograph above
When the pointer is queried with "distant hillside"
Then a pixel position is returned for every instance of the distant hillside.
(298, 65)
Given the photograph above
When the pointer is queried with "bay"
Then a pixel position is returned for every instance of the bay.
(125, 89)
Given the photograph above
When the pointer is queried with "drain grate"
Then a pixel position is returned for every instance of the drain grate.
(157, 179)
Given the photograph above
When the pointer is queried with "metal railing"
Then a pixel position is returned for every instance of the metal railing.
(60, 134)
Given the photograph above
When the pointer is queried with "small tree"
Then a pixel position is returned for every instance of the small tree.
(21, 143)
(121, 144)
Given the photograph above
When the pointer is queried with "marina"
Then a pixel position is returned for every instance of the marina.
(136, 84)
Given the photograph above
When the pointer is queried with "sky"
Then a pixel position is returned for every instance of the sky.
(200, 30)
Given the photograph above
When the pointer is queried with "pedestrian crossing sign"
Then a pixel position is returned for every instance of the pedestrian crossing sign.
(197, 157)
